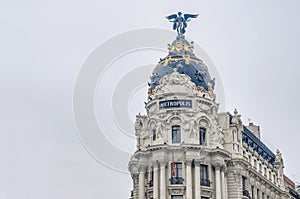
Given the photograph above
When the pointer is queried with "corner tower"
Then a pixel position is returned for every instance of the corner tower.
(180, 152)
(186, 149)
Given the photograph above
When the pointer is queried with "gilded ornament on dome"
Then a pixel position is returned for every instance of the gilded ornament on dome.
(179, 46)
(187, 59)
(166, 62)
(149, 91)
(201, 88)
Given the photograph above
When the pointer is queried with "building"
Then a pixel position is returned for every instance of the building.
(186, 149)
(291, 187)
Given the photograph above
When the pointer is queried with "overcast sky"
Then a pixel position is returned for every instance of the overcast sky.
(43, 44)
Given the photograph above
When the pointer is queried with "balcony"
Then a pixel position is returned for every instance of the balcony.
(176, 180)
(246, 193)
(205, 182)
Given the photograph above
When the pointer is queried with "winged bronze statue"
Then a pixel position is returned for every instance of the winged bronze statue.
(180, 22)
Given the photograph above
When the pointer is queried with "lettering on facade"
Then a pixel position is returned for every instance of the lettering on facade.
(175, 104)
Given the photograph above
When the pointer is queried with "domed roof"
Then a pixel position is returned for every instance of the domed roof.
(182, 58)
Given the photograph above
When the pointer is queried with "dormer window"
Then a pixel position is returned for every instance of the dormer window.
(176, 134)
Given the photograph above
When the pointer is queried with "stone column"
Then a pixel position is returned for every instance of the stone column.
(183, 172)
(226, 188)
(149, 175)
(255, 192)
(162, 180)
(142, 183)
(169, 172)
(135, 186)
(155, 181)
(189, 192)
(197, 181)
(223, 183)
(218, 181)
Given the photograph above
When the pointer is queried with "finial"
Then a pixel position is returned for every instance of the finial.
(277, 151)
(180, 22)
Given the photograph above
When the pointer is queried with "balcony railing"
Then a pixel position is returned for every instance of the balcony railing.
(246, 193)
(205, 182)
(176, 180)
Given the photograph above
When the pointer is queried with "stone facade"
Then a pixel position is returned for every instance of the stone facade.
(186, 149)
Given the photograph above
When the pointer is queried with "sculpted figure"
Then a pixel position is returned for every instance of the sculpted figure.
(192, 128)
(217, 139)
(180, 22)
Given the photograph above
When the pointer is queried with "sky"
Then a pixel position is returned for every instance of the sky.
(253, 44)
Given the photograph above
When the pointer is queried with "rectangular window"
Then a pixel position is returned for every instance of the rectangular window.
(178, 169)
(154, 134)
(244, 182)
(245, 192)
(204, 178)
(176, 174)
(263, 196)
(152, 173)
(176, 134)
(252, 192)
(202, 136)
(257, 195)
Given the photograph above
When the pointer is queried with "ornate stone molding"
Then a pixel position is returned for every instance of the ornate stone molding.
(176, 190)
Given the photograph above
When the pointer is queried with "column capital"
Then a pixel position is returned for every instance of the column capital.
(197, 163)
(162, 163)
(142, 168)
(224, 169)
(149, 168)
(155, 163)
(219, 165)
(188, 162)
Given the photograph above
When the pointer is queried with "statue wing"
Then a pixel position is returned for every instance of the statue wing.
(170, 17)
(174, 25)
(174, 17)
(187, 16)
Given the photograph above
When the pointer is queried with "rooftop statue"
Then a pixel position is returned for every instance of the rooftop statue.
(180, 22)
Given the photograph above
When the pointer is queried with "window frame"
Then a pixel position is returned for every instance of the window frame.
(204, 175)
(154, 135)
(201, 133)
(177, 170)
(176, 139)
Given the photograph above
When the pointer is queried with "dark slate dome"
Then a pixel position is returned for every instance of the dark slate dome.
(182, 58)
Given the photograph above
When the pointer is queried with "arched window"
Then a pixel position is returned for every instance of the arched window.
(202, 136)
(176, 134)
